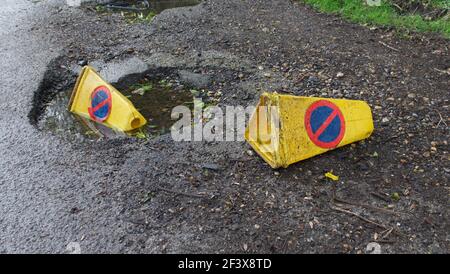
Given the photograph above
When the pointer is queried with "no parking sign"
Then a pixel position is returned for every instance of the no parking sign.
(94, 98)
(101, 104)
(325, 124)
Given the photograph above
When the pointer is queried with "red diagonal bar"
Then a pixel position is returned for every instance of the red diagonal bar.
(325, 124)
(97, 107)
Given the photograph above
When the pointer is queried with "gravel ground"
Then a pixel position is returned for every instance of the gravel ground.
(160, 196)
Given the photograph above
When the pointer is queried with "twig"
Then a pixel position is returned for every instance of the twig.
(180, 193)
(386, 45)
(360, 217)
(366, 206)
(397, 6)
(442, 71)
(387, 234)
(441, 120)
(369, 221)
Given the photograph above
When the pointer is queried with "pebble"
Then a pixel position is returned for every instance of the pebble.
(82, 63)
(340, 75)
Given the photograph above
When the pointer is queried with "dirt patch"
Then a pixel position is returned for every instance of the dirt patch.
(244, 206)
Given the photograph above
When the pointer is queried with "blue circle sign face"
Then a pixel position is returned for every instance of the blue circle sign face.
(325, 124)
(101, 104)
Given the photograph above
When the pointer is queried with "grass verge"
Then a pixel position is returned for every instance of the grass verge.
(383, 14)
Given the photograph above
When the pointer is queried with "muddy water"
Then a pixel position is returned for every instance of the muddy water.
(153, 99)
(144, 8)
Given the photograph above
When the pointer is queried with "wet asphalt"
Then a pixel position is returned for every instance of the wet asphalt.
(50, 201)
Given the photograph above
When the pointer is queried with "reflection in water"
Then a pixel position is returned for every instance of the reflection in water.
(153, 99)
(144, 8)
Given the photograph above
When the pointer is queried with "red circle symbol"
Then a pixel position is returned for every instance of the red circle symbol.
(101, 104)
(325, 124)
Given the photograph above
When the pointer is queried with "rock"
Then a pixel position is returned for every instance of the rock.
(82, 63)
(313, 80)
(385, 121)
(139, 91)
(113, 72)
(197, 80)
(340, 75)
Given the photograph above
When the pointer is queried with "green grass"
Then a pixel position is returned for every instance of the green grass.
(384, 15)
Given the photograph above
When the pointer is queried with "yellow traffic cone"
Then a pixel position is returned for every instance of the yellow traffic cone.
(93, 98)
(286, 129)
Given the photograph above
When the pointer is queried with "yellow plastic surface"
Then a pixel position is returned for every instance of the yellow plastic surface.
(123, 115)
(288, 143)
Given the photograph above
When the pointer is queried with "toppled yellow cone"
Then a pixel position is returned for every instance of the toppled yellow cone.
(331, 176)
(95, 99)
(286, 129)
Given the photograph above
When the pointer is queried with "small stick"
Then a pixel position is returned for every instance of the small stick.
(387, 234)
(397, 6)
(366, 206)
(359, 216)
(442, 71)
(368, 221)
(386, 45)
(441, 119)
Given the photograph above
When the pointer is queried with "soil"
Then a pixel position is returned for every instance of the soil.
(220, 197)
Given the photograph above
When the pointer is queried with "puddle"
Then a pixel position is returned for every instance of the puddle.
(145, 10)
(153, 99)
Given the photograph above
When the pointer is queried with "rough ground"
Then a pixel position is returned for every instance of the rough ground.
(108, 195)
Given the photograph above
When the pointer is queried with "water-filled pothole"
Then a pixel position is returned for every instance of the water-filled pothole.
(153, 99)
(143, 10)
